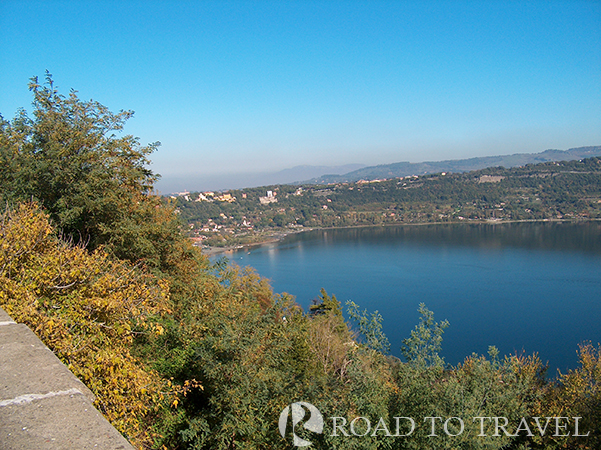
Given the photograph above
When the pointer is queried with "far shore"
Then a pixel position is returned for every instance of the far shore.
(268, 238)
(276, 236)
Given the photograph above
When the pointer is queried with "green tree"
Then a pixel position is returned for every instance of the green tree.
(95, 185)
(325, 304)
(421, 349)
(370, 326)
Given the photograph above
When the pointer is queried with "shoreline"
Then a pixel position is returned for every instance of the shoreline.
(271, 238)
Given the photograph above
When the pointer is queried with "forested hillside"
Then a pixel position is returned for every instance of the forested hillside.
(569, 190)
(183, 353)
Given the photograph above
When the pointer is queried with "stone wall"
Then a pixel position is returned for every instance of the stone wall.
(42, 404)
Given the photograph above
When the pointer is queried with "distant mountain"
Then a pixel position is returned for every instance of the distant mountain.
(403, 169)
(190, 182)
(299, 173)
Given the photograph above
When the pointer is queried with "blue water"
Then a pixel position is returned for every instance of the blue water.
(521, 287)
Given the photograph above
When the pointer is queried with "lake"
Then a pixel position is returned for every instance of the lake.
(523, 287)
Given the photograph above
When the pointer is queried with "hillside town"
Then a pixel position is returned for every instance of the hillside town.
(546, 191)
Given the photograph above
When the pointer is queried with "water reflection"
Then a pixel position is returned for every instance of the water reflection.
(563, 236)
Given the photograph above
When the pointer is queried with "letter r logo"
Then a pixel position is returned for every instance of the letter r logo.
(298, 411)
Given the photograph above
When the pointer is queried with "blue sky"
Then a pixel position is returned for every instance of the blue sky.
(235, 87)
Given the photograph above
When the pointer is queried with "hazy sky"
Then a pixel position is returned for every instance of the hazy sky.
(253, 86)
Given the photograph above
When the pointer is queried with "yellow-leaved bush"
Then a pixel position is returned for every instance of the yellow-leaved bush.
(576, 393)
(87, 308)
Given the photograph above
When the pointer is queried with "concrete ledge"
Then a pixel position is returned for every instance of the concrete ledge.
(5, 319)
(27, 366)
(42, 404)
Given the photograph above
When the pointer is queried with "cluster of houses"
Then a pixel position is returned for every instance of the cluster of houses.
(206, 197)
(269, 198)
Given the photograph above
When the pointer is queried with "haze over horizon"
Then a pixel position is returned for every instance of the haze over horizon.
(313, 174)
(236, 89)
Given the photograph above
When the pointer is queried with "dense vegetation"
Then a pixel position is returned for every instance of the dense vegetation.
(568, 190)
(182, 353)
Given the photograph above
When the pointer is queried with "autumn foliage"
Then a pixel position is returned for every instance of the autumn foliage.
(87, 308)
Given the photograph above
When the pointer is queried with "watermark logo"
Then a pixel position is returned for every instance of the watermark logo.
(298, 410)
